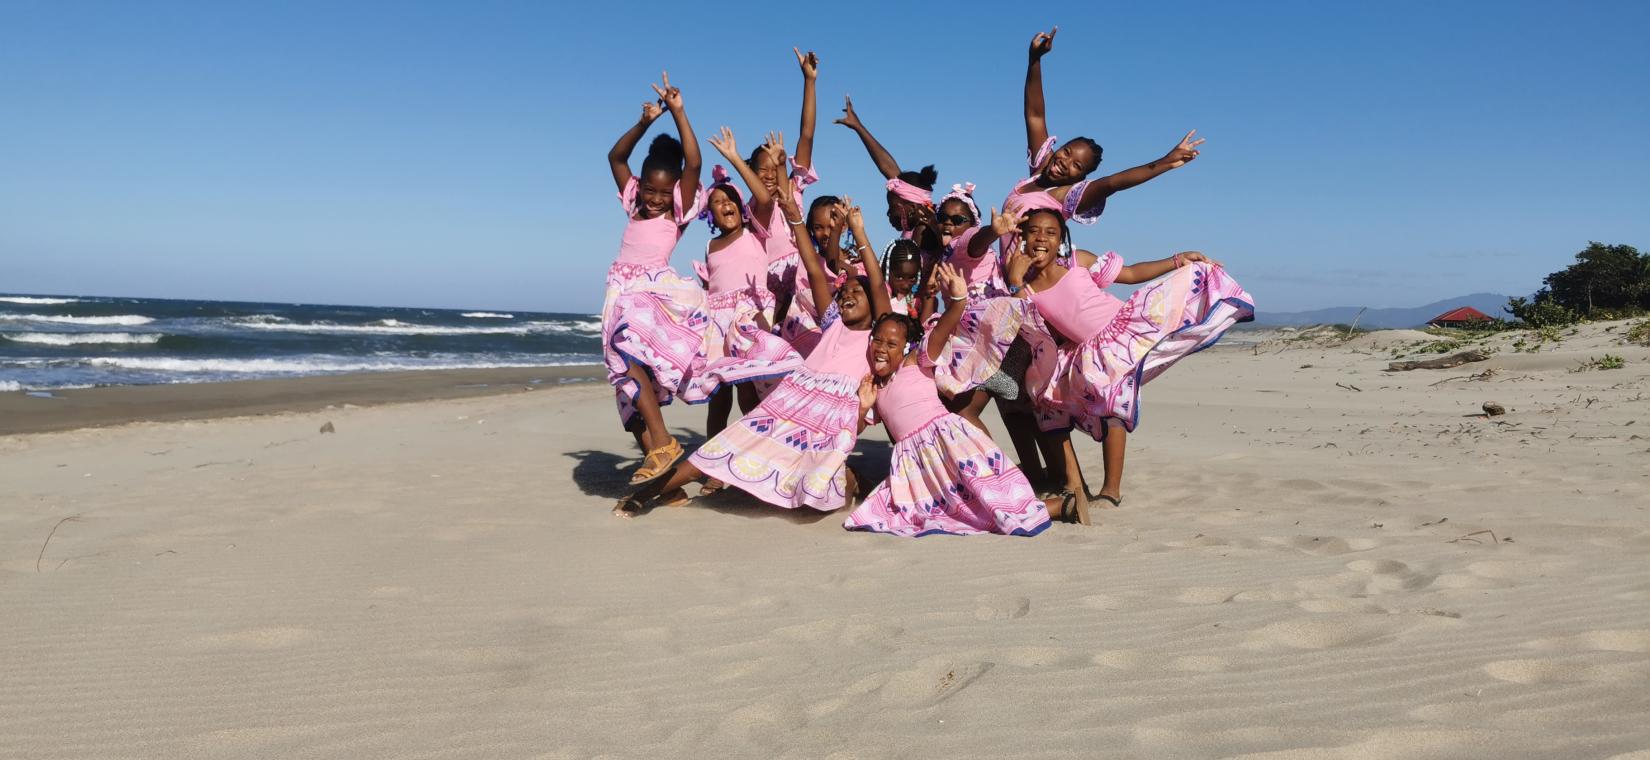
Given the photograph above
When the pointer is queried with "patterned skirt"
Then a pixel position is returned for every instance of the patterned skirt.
(948, 477)
(738, 345)
(1085, 384)
(789, 451)
(655, 319)
(980, 345)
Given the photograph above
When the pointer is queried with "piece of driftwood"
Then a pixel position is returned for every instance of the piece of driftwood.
(1453, 360)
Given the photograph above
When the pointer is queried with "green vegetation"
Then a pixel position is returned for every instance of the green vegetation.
(1605, 282)
(1639, 332)
(1609, 361)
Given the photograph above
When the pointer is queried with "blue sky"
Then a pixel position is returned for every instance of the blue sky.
(453, 154)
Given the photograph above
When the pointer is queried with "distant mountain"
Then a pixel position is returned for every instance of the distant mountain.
(1489, 303)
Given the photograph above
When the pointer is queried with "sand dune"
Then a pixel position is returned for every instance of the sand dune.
(1315, 559)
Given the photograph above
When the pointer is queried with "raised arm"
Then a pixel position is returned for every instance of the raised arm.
(805, 139)
(1036, 114)
(1001, 224)
(1146, 271)
(618, 159)
(1099, 190)
(879, 155)
(868, 260)
(692, 163)
(761, 201)
(953, 287)
(819, 281)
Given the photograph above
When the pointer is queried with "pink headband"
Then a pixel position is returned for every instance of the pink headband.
(910, 192)
(965, 193)
(719, 178)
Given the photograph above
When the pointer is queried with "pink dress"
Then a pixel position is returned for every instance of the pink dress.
(1027, 196)
(984, 274)
(1113, 347)
(787, 278)
(789, 451)
(947, 476)
(738, 345)
(651, 316)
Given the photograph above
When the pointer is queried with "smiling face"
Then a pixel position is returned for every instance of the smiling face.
(653, 193)
(768, 170)
(854, 304)
(1071, 163)
(821, 222)
(724, 210)
(1042, 235)
(887, 348)
(902, 276)
(949, 211)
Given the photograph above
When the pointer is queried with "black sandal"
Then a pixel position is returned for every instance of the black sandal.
(629, 507)
(1068, 506)
(1117, 502)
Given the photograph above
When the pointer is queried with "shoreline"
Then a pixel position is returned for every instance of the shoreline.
(21, 413)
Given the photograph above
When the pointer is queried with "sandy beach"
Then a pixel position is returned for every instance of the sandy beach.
(1315, 558)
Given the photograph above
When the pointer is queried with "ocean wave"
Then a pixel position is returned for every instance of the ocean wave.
(33, 300)
(397, 327)
(486, 315)
(122, 319)
(71, 339)
(10, 385)
(316, 363)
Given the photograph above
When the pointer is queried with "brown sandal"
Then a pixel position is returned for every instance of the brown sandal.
(676, 498)
(657, 462)
(711, 487)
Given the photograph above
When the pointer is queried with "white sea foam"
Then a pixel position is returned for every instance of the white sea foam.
(37, 300)
(121, 319)
(487, 315)
(71, 339)
(316, 363)
(7, 386)
(397, 327)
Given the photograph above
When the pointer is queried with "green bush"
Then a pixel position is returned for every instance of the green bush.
(1542, 312)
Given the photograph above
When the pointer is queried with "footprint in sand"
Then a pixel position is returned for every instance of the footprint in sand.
(932, 681)
(1323, 632)
(1388, 575)
(997, 607)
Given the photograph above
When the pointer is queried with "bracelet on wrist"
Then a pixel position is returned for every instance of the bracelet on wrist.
(797, 223)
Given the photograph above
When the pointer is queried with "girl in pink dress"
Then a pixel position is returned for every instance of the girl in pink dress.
(739, 345)
(1059, 175)
(795, 313)
(791, 450)
(652, 318)
(947, 476)
(1093, 351)
(902, 262)
(910, 193)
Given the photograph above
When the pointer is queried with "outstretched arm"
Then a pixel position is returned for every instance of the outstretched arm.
(618, 159)
(805, 140)
(868, 260)
(1036, 114)
(1001, 224)
(954, 289)
(879, 155)
(1146, 271)
(761, 201)
(819, 282)
(1101, 189)
(692, 163)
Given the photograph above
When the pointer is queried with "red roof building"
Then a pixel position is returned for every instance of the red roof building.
(1466, 315)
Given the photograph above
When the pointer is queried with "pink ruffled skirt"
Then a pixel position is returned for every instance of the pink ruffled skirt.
(789, 451)
(1085, 384)
(949, 477)
(738, 346)
(654, 318)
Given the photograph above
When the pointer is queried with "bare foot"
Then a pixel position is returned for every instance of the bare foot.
(711, 486)
(628, 507)
(1110, 500)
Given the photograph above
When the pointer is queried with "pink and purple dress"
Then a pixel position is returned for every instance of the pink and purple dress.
(790, 450)
(947, 476)
(738, 345)
(1027, 196)
(1113, 346)
(651, 316)
(787, 278)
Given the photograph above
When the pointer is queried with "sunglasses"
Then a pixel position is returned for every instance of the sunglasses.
(956, 219)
